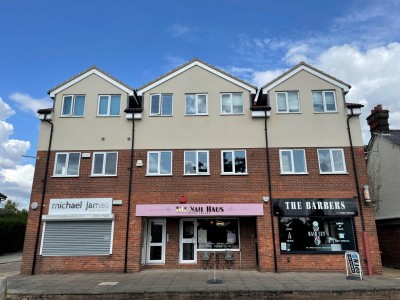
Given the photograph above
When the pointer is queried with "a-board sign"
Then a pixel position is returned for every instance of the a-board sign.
(353, 265)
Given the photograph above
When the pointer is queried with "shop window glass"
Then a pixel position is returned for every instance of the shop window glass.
(316, 234)
(217, 234)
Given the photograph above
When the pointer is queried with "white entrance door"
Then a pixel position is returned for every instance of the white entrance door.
(156, 241)
(188, 241)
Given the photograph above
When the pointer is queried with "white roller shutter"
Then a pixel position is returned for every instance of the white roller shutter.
(77, 238)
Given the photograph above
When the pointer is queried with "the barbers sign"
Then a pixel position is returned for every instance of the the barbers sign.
(80, 206)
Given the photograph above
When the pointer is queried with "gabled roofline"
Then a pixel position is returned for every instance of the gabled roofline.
(202, 64)
(306, 67)
(86, 73)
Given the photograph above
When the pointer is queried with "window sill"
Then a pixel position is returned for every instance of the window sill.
(155, 175)
(103, 175)
(325, 112)
(197, 174)
(295, 173)
(107, 116)
(238, 114)
(197, 115)
(161, 116)
(234, 174)
(71, 116)
(335, 173)
(288, 112)
(64, 176)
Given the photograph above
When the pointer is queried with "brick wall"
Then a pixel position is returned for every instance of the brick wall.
(213, 188)
(389, 235)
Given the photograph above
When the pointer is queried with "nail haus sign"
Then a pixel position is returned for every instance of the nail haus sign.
(296, 207)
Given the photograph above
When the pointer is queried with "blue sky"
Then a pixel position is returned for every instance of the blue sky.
(43, 43)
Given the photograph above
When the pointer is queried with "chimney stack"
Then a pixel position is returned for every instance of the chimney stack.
(378, 120)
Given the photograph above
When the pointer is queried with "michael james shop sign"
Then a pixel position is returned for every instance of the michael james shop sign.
(77, 206)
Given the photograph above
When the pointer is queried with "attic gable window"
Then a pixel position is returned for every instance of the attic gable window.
(161, 105)
(324, 101)
(287, 102)
(109, 105)
(73, 106)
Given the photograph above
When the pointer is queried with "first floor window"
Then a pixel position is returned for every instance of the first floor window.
(104, 163)
(231, 103)
(196, 104)
(73, 105)
(316, 234)
(159, 163)
(331, 161)
(196, 163)
(217, 234)
(293, 161)
(67, 164)
(324, 101)
(109, 105)
(288, 102)
(161, 105)
(234, 162)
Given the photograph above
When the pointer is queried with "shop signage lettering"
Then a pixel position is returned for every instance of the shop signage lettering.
(315, 207)
(199, 209)
(80, 206)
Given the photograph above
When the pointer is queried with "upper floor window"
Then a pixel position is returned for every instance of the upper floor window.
(287, 102)
(293, 161)
(159, 163)
(234, 162)
(109, 105)
(104, 163)
(196, 104)
(324, 101)
(231, 103)
(196, 163)
(331, 161)
(73, 105)
(161, 105)
(67, 164)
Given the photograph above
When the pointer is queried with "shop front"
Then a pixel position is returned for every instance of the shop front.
(202, 234)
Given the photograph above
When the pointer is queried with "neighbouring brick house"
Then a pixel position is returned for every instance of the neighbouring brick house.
(199, 168)
(383, 157)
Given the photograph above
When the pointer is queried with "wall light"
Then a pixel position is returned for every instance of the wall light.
(367, 196)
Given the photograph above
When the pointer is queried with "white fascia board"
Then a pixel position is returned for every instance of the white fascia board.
(305, 68)
(185, 68)
(87, 74)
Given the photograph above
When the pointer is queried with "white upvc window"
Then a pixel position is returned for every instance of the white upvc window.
(233, 162)
(104, 163)
(293, 161)
(231, 103)
(196, 163)
(196, 104)
(73, 106)
(67, 164)
(109, 105)
(331, 161)
(159, 163)
(287, 102)
(161, 105)
(324, 101)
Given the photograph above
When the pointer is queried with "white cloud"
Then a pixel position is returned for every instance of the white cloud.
(29, 104)
(15, 179)
(186, 33)
(261, 78)
(297, 54)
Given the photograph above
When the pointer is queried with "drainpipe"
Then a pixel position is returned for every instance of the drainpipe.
(269, 186)
(365, 234)
(43, 196)
(129, 194)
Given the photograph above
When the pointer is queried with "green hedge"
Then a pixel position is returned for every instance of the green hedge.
(12, 233)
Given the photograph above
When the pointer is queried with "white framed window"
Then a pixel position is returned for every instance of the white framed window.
(159, 163)
(331, 161)
(293, 161)
(231, 103)
(287, 102)
(196, 163)
(67, 164)
(104, 163)
(324, 101)
(161, 105)
(196, 104)
(73, 106)
(109, 105)
(233, 162)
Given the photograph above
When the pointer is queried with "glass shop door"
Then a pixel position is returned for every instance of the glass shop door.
(188, 241)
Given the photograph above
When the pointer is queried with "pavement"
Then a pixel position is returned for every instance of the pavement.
(199, 284)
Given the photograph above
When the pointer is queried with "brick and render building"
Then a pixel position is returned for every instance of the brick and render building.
(199, 168)
(383, 157)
